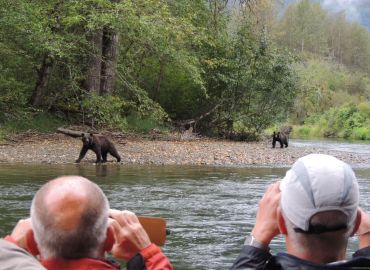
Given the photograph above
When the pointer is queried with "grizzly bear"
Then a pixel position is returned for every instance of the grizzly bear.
(100, 145)
(280, 137)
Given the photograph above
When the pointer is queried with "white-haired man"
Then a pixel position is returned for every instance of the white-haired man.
(315, 207)
(73, 228)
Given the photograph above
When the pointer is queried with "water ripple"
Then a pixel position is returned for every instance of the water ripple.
(209, 211)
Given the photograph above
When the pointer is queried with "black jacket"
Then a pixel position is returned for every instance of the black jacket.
(251, 258)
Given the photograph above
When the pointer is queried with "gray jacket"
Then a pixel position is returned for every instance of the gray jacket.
(13, 257)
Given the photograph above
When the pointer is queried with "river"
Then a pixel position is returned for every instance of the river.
(209, 210)
(360, 147)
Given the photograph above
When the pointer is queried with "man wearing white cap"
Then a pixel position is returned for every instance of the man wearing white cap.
(316, 208)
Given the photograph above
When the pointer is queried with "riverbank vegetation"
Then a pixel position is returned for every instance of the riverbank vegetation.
(349, 121)
(333, 72)
(221, 67)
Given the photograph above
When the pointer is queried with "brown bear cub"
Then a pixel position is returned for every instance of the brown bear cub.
(100, 145)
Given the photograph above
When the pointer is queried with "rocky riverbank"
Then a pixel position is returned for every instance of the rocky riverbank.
(58, 148)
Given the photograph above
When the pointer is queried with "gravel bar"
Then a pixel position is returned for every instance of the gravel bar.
(61, 149)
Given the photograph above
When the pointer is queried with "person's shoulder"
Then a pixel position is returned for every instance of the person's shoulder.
(360, 260)
(289, 262)
(363, 252)
(356, 263)
(14, 257)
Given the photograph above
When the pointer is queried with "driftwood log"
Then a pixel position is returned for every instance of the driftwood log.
(78, 134)
(72, 133)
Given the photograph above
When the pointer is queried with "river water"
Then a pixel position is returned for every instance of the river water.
(209, 210)
(360, 147)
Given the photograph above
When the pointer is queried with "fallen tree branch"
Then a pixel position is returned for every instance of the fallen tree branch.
(183, 123)
(72, 133)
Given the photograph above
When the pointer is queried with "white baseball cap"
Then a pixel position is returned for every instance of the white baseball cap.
(318, 183)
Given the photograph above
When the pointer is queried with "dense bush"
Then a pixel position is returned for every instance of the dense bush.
(31, 120)
(103, 111)
(349, 121)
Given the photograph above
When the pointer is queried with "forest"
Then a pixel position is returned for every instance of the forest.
(222, 67)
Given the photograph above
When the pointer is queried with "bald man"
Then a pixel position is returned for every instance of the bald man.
(71, 229)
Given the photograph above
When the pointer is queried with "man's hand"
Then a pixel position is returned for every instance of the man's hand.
(266, 226)
(20, 232)
(130, 236)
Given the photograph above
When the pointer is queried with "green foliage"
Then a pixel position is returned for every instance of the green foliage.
(104, 111)
(333, 69)
(12, 97)
(180, 96)
(324, 85)
(348, 121)
(361, 133)
(184, 60)
(35, 121)
(143, 125)
(258, 85)
(302, 131)
(157, 67)
(304, 25)
(307, 27)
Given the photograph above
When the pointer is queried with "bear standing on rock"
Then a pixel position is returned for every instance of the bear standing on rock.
(100, 145)
(281, 138)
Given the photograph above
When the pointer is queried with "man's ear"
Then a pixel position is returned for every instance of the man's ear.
(31, 244)
(357, 222)
(281, 221)
(109, 240)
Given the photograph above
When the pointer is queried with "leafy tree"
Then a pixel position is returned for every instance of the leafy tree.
(223, 66)
(303, 27)
(306, 27)
(249, 82)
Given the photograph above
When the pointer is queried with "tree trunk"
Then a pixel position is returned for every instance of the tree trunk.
(109, 63)
(159, 81)
(42, 80)
(92, 82)
(47, 62)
